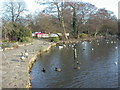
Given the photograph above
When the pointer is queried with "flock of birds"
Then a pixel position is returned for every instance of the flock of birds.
(98, 43)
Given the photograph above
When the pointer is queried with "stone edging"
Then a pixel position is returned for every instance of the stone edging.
(33, 60)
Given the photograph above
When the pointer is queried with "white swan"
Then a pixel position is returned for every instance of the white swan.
(60, 47)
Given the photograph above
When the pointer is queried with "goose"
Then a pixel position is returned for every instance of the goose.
(58, 69)
(43, 70)
(26, 53)
(22, 57)
(60, 47)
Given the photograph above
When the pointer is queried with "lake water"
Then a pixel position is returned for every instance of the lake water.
(98, 68)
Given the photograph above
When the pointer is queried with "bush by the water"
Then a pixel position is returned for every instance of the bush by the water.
(83, 35)
(55, 39)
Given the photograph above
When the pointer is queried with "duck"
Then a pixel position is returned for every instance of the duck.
(43, 70)
(83, 49)
(58, 69)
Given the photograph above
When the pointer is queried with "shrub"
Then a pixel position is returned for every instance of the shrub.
(13, 41)
(83, 35)
(55, 39)
(25, 39)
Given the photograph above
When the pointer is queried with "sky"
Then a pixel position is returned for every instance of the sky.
(111, 5)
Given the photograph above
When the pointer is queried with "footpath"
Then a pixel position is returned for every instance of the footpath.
(15, 73)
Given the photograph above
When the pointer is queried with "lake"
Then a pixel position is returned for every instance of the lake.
(98, 62)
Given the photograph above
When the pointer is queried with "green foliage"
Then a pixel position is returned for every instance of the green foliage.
(5, 41)
(20, 33)
(83, 35)
(55, 39)
(25, 39)
(13, 41)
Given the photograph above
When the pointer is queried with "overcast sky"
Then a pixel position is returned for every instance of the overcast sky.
(111, 5)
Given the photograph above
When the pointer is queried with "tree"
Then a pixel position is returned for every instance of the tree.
(13, 11)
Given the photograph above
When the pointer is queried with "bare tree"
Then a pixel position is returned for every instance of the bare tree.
(13, 11)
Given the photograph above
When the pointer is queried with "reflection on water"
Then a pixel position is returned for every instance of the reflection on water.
(97, 66)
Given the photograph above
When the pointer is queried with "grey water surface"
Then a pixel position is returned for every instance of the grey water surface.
(98, 67)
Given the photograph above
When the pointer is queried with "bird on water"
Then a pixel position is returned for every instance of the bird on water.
(43, 70)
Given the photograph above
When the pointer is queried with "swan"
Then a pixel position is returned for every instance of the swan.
(116, 47)
(58, 69)
(60, 47)
(22, 56)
